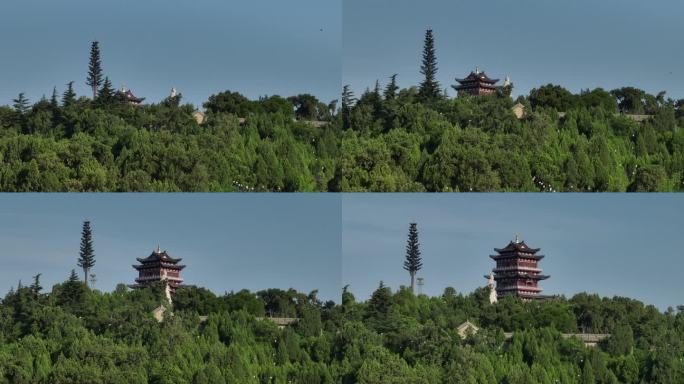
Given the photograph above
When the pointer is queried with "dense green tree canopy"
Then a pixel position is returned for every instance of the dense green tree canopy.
(76, 334)
(592, 141)
(107, 144)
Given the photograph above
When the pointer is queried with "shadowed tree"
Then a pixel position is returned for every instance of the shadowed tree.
(106, 94)
(53, 99)
(429, 88)
(413, 262)
(36, 287)
(86, 258)
(391, 88)
(347, 103)
(94, 79)
(21, 103)
(69, 96)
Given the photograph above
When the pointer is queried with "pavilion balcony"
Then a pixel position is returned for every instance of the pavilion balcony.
(530, 288)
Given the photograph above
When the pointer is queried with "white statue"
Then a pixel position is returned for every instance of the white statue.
(174, 93)
(507, 82)
(492, 289)
(167, 288)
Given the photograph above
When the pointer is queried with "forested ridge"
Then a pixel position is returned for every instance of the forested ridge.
(78, 334)
(114, 142)
(108, 144)
(420, 139)
(397, 140)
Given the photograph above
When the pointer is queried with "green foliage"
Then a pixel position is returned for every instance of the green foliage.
(75, 334)
(429, 88)
(553, 96)
(86, 256)
(94, 79)
(78, 335)
(413, 262)
(107, 144)
(21, 104)
(409, 339)
(403, 143)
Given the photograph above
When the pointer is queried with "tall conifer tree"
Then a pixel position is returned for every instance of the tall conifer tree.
(69, 96)
(429, 88)
(53, 100)
(413, 262)
(106, 93)
(21, 103)
(391, 88)
(347, 103)
(36, 287)
(86, 258)
(94, 79)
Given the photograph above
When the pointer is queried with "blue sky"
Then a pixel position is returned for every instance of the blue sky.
(228, 241)
(575, 43)
(610, 244)
(201, 47)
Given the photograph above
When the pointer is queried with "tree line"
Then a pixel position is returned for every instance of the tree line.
(77, 334)
(418, 139)
(105, 143)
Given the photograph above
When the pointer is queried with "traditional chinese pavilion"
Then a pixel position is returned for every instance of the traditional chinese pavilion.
(130, 97)
(517, 271)
(159, 266)
(476, 84)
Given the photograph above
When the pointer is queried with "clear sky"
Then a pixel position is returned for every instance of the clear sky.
(228, 241)
(201, 47)
(575, 43)
(611, 244)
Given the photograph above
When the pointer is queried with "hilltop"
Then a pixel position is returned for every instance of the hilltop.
(549, 140)
(75, 334)
(115, 143)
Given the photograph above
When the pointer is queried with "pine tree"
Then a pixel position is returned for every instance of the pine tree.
(69, 96)
(21, 103)
(71, 294)
(429, 88)
(347, 97)
(73, 277)
(379, 302)
(53, 100)
(36, 287)
(391, 88)
(86, 258)
(94, 79)
(106, 93)
(347, 103)
(413, 262)
(379, 306)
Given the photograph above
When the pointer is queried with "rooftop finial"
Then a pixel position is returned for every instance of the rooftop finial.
(158, 250)
(517, 238)
(477, 70)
